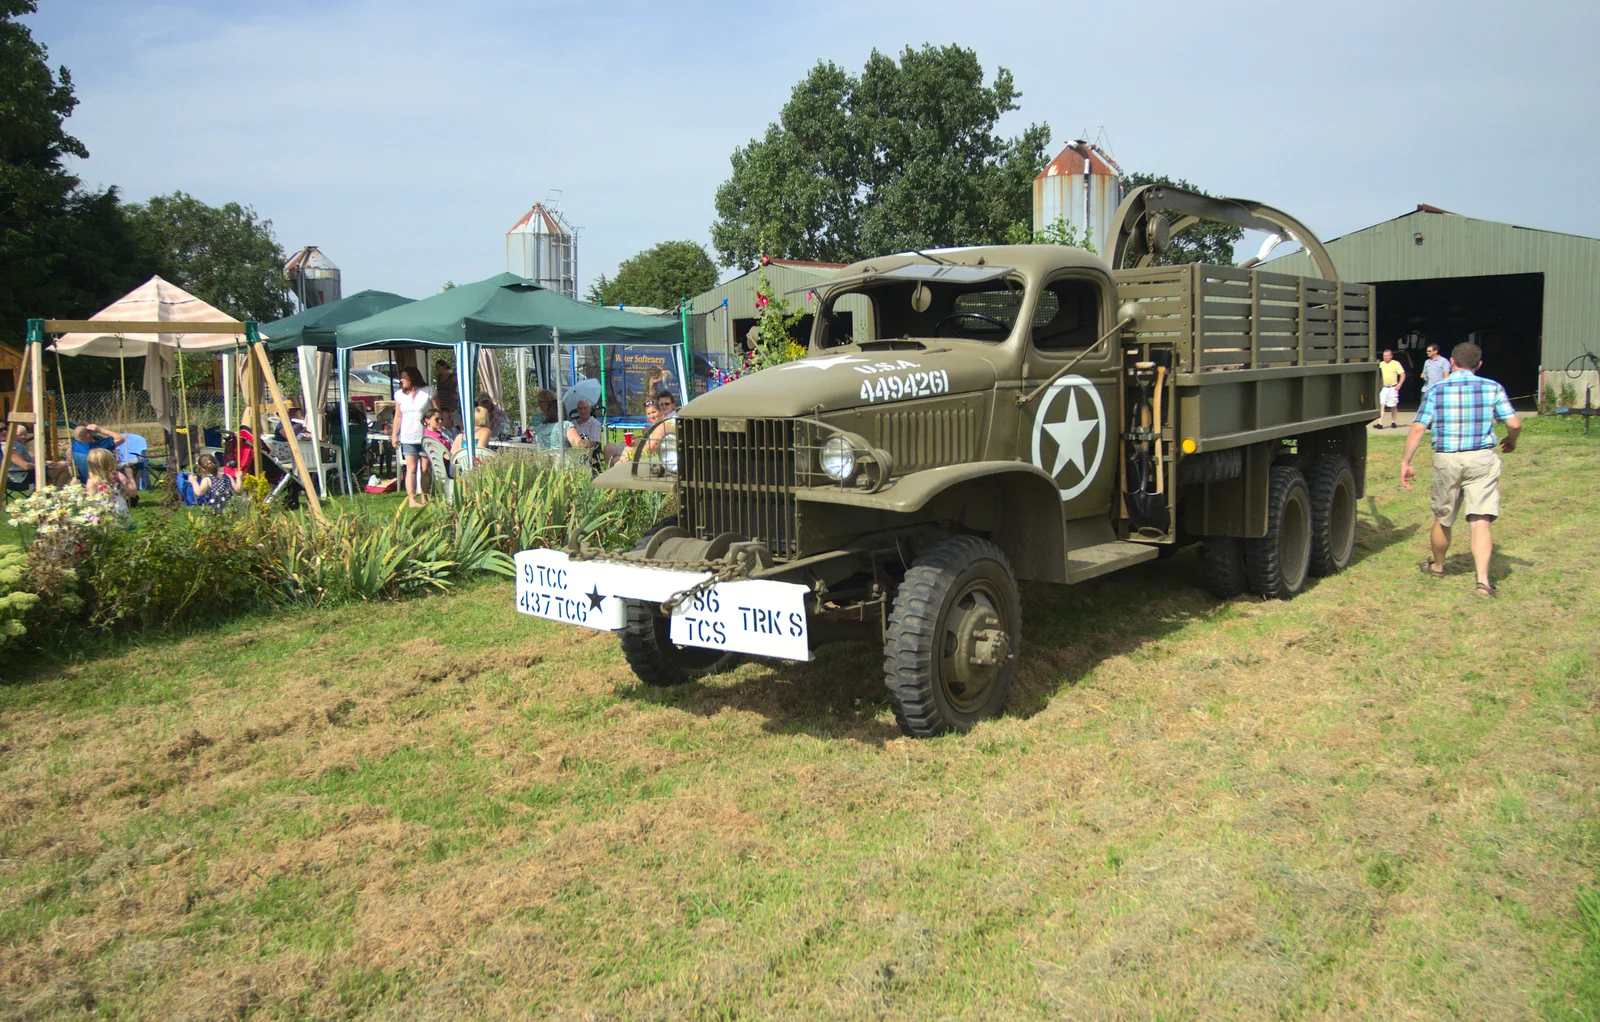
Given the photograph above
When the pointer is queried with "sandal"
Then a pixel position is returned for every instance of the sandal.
(1426, 567)
(1486, 590)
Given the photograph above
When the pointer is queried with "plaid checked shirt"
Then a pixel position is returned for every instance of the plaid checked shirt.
(1461, 410)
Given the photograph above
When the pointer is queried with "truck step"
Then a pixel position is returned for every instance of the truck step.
(1090, 561)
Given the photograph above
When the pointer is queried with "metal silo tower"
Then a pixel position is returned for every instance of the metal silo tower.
(314, 278)
(543, 247)
(1083, 186)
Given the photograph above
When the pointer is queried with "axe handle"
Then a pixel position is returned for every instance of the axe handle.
(1161, 472)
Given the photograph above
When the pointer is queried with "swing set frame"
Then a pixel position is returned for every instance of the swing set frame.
(30, 382)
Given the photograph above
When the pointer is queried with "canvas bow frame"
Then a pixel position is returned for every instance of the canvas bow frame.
(31, 379)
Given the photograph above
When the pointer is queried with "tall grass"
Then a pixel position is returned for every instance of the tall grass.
(531, 504)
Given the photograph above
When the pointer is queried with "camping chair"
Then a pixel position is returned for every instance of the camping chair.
(132, 454)
(439, 460)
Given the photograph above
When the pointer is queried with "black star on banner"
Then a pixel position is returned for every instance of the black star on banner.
(595, 598)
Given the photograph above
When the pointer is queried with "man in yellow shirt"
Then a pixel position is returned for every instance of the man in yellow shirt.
(1392, 374)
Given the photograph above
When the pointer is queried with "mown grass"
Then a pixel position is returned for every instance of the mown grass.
(1375, 801)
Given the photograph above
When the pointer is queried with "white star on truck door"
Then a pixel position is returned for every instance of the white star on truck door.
(1080, 441)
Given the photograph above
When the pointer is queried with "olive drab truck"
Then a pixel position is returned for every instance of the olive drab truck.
(968, 418)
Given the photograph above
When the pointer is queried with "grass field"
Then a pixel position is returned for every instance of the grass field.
(1376, 801)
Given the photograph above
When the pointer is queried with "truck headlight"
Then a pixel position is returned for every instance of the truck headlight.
(838, 457)
(668, 450)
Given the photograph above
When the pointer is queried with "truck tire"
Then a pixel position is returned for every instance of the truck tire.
(646, 643)
(1222, 561)
(1333, 514)
(657, 660)
(953, 638)
(1276, 565)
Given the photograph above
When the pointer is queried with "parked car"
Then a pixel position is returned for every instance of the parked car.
(377, 377)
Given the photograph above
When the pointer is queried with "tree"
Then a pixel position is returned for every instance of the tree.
(903, 156)
(596, 295)
(658, 277)
(1056, 232)
(224, 255)
(64, 252)
(1202, 243)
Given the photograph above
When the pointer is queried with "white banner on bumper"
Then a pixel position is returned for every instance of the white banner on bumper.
(752, 616)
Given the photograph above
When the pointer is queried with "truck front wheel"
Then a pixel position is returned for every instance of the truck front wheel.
(655, 658)
(1276, 565)
(953, 638)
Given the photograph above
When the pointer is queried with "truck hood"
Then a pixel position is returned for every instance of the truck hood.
(849, 378)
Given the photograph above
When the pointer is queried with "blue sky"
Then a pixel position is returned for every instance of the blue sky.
(404, 138)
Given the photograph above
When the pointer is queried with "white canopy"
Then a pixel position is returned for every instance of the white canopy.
(154, 302)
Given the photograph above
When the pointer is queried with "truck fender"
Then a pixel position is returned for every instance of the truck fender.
(1016, 504)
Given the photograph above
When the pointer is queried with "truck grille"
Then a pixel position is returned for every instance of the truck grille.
(739, 476)
(930, 438)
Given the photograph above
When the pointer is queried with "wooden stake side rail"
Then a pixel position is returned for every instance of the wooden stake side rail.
(1224, 317)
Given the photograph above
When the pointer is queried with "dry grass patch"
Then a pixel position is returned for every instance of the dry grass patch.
(1376, 801)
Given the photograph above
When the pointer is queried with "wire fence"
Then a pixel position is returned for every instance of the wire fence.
(113, 408)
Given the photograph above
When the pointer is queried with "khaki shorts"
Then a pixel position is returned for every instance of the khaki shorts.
(1466, 482)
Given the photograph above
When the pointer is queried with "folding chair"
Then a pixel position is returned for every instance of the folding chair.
(132, 453)
(439, 460)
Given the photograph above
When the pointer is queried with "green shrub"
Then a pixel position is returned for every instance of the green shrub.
(359, 556)
(15, 601)
(530, 504)
(180, 566)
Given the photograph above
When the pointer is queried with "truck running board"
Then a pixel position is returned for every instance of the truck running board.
(1090, 561)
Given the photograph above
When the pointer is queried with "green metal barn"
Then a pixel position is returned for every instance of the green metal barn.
(1530, 298)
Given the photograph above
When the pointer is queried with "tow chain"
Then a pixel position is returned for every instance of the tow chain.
(720, 571)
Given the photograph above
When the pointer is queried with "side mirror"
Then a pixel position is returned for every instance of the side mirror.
(1131, 313)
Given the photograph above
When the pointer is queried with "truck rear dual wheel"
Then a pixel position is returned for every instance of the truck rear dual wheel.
(1276, 565)
(1222, 561)
(951, 648)
(1333, 514)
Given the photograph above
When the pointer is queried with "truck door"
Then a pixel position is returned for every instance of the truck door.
(1070, 430)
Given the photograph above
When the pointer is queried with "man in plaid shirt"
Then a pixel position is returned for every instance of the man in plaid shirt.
(1461, 410)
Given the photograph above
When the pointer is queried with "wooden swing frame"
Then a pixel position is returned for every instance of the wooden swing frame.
(30, 381)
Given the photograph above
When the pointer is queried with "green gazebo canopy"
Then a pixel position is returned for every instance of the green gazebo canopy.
(316, 325)
(505, 311)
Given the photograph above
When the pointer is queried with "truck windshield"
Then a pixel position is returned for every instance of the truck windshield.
(883, 310)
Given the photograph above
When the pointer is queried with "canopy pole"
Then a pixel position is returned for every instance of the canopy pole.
(522, 387)
(465, 355)
(555, 370)
(308, 384)
(283, 413)
(227, 391)
(685, 384)
(183, 403)
(605, 392)
(122, 373)
(341, 366)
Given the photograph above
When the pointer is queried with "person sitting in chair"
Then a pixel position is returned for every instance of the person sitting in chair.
(19, 472)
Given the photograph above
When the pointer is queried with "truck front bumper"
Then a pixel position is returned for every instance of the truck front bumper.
(756, 616)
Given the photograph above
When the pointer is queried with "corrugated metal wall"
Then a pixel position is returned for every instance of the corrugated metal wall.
(1458, 246)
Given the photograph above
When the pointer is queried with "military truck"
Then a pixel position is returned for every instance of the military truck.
(1014, 413)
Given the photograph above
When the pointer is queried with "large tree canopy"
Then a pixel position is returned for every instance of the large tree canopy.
(658, 277)
(63, 251)
(903, 156)
(224, 255)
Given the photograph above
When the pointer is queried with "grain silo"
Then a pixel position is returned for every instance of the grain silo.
(543, 247)
(313, 277)
(1083, 186)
